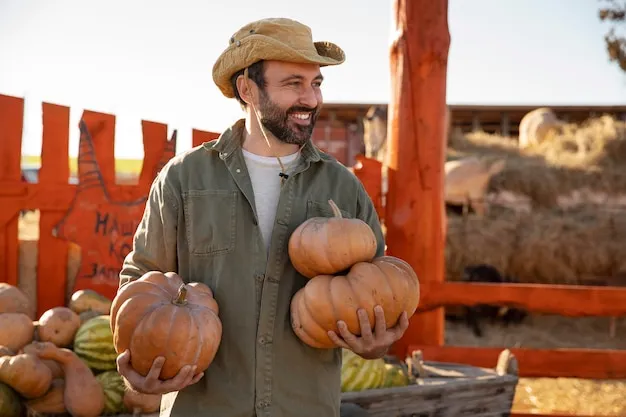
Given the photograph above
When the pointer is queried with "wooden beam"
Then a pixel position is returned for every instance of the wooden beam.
(535, 363)
(572, 300)
(54, 173)
(417, 125)
(11, 125)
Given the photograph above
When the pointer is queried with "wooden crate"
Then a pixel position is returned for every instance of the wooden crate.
(445, 390)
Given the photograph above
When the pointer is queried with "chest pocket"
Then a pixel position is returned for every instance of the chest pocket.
(316, 208)
(210, 221)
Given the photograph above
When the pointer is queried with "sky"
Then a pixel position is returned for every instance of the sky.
(152, 60)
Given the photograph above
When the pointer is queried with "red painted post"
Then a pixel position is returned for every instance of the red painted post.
(417, 125)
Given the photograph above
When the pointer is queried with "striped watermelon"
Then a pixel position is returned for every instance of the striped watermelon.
(10, 404)
(395, 376)
(358, 374)
(113, 387)
(93, 343)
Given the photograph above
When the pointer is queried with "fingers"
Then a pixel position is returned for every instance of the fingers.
(337, 340)
(151, 384)
(381, 326)
(366, 328)
(181, 380)
(402, 325)
(130, 375)
(345, 334)
(197, 378)
(122, 360)
(155, 369)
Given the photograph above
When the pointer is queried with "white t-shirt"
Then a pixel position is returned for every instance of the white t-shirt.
(264, 172)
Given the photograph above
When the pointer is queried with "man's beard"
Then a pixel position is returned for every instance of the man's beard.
(276, 120)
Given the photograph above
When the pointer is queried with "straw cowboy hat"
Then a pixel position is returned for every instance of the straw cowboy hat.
(277, 39)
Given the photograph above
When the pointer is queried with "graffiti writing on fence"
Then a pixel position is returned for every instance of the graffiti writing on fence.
(103, 228)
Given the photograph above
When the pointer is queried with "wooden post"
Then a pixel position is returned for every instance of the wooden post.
(417, 125)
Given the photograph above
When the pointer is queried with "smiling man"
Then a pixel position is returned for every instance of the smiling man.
(223, 213)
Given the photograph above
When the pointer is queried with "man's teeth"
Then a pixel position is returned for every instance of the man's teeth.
(301, 116)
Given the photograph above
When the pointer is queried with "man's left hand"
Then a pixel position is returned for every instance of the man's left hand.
(370, 345)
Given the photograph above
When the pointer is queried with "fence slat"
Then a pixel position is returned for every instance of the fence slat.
(55, 171)
(549, 363)
(154, 141)
(198, 137)
(571, 300)
(11, 121)
(369, 172)
(102, 129)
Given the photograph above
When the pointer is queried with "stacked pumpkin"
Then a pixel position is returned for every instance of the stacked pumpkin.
(63, 363)
(337, 254)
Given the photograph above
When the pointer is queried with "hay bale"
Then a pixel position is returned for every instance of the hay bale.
(583, 162)
(547, 246)
(469, 241)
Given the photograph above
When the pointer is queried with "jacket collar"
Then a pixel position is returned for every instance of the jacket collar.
(231, 139)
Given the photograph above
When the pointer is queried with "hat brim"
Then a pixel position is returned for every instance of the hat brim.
(254, 48)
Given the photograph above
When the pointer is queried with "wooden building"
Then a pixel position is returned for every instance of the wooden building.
(339, 129)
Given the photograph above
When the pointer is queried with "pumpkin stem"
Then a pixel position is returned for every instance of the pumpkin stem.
(181, 297)
(336, 211)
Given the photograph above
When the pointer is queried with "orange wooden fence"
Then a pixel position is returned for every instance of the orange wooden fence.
(97, 214)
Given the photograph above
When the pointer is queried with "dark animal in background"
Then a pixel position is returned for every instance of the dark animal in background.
(458, 209)
(474, 315)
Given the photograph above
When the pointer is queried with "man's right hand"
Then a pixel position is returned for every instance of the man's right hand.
(151, 384)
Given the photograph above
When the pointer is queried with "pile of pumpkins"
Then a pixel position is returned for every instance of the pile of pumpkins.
(64, 363)
(338, 256)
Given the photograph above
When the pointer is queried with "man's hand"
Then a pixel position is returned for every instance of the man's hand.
(151, 384)
(370, 345)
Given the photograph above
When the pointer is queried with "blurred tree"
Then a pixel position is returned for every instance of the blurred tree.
(614, 11)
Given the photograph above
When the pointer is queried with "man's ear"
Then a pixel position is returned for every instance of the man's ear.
(245, 89)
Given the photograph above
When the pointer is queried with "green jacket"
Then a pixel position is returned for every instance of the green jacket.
(200, 221)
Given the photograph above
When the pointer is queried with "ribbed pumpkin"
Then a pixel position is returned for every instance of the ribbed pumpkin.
(328, 245)
(113, 388)
(16, 330)
(52, 402)
(13, 300)
(159, 315)
(387, 281)
(358, 374)
(89, 300)
(26, 374)
(93, 344)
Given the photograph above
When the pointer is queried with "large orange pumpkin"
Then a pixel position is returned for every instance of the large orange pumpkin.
(328, 245)
(160, 315)
(326, 299)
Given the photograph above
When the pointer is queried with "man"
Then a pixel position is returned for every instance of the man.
(222, 214)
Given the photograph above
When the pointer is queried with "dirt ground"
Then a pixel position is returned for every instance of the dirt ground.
(556, 395)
